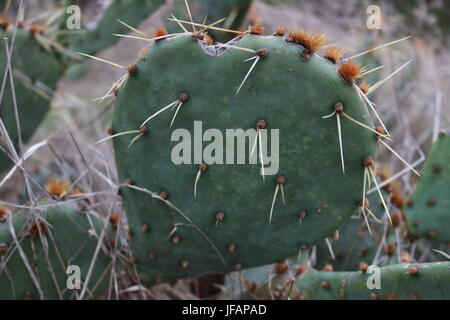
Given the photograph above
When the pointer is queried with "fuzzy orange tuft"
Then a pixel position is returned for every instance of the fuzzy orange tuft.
(334, 54)
(258, 30)
(57, 188)
(280, 32)
(350, 71)
(160, 32)
(311, 42)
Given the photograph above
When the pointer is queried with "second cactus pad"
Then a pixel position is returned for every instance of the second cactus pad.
(228, 224)
(428, 209)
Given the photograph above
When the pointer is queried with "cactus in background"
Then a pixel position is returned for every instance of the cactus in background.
(228, 221)
(233, 10)
(35, 70)
(41, 56)
(35, 257)
(402, 282)
(354, 247)
(428, 208)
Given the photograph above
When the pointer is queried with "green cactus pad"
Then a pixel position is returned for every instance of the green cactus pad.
(290, 94)
(31, 63)
(428, 209)
(69, 241)
(402, 281)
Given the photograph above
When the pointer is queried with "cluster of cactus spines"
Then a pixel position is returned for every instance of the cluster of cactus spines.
(186, 237)
(38, 246)
(40, 57)
(428, 208)
(362, 242)
(231, 12)
(397, 282)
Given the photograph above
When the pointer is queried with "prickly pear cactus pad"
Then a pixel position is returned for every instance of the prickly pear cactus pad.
(33, 67)
(35, 257)
(403, 282)
(226, 225)
(428, 209)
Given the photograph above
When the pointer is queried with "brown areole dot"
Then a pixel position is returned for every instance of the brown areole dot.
(27, 296)
(238, 266)
(302, 214)
(231, 247)
(281, 268)
(303, 246)
(132, 68)
(163, 195)
(151, 255)
(431, 202)
(373, 296)
(143, 130)
(202, 167)
(437, 168)
(176, 239)
(184, 263)
(144, 228)
(3, 249)
(220, 215)
(128, 181)
(368, 162)
(281, 180)
(390, 249)
(339, 107)
(328, 268)
(183, 97)
(325, 284)
(110, 130)
(262, 52)
(261, 124)
(413, 270)
(251, 287)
